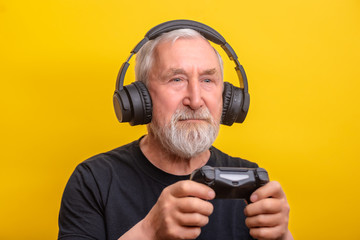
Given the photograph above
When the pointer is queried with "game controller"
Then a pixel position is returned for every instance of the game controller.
(231, 182)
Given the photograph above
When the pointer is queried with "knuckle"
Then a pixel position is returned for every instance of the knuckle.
(207, 208)
(211, 208)
(201, 220)
(165, 191)
(276, 184)
(284, 207)
(184, 186)
(256, 233)
(246, 211)
(248, 222)
(287, 207)
(172, 233)
(195, 233)
(267, 205)
(165, 194)
(206, 221)
(287, 211)
(261, 220)
(187, 205)
(166, 206)
(167, 221)
(261, 233)
(197, 220)
(191, 203)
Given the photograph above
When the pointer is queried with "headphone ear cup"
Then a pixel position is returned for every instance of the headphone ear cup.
(226, 101)
(122, 106)
(133, 104)
(146, 105)
(232, 104)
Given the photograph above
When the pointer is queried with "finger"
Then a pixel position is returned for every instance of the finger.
(267, 232)
(194, 205)
(264, 220)
(191, 233)
(264, 206)
(192, 219)
(271, 189)
(190, 188)
(182, 232)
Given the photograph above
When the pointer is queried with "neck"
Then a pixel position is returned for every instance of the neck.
(168, 162)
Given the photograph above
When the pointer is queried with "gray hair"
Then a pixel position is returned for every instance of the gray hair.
(145, 56)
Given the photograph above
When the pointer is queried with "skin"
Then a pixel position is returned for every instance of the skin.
(187, 74)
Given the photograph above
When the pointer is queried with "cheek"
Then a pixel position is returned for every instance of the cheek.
(218, 111)
(216, 106)
(164, 106)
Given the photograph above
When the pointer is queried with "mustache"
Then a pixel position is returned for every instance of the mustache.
(189, 114)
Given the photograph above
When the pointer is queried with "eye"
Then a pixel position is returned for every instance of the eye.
(176, 80)
(207, 80)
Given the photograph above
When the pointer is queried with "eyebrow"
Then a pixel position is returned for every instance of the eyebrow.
(209, 71)
(174, 71)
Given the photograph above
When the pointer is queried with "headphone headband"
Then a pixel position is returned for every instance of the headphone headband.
(205, 30)
(208, 32)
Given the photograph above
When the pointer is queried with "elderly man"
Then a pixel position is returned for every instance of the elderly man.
(142, 190)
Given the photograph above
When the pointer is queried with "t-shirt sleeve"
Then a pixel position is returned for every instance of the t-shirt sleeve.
(81, 211)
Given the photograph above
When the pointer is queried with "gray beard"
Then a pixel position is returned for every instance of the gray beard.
(184, 139)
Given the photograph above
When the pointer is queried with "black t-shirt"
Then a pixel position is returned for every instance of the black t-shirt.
(111, 192)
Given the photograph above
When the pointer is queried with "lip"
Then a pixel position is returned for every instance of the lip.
(192, 120)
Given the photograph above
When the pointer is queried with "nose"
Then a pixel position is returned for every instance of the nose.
(193, 98)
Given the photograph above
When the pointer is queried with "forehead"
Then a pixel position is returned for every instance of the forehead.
(186, 53)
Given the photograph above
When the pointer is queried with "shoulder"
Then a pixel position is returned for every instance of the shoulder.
(113, 157)
(221, 159)
(106, 165)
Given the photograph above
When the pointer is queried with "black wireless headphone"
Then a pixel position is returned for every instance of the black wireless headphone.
(133, 104)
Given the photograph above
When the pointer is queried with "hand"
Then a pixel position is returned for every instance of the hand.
(181, 210)
(268, 214)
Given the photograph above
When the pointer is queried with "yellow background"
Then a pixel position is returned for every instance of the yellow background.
(58, 64)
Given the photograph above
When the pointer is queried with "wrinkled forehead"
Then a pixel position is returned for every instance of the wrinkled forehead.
(194, 48)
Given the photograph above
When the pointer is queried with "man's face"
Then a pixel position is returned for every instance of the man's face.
(185, 85)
